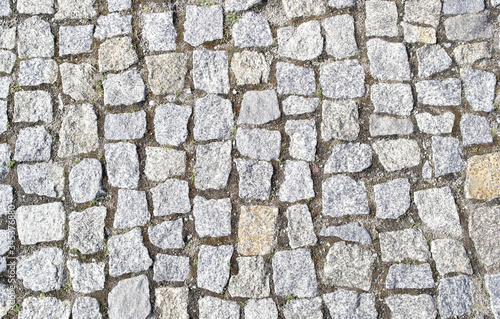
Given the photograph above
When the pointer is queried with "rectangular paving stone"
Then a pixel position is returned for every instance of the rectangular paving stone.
(213, 267)
(125, 126)
(257, 230)
(294, 273)
(40, 223)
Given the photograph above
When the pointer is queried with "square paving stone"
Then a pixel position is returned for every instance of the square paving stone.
(7, 61)
(78, 81)
(294, 273)
(215, 308)
(339, 120)
(35, 39)
(44, 179)
(75, 39)
(85, 308)
(258, 143)
(412, 306)
(40, 223)
(350, 304)
(482, 177)
(387, 125)
(86, 277)
(167, 235)
(112, 25)
(404, 244)
(130, 299)
(396, 98)
(261, 309)
(254, 179)
(294, 79)
(468, 53)
(454, 297)
(392, 198)
(301, 43)
(86, 230)
(343, 196)
(397, 154)
(213, 267)
(32, 106)
(210, 71)
(85, 180)
(159, 31)
(37, 71)
(440, 93)
(75, 9)
(213, 165)
(388, 60)
(296, 105)
(250, 67)
(305, 8)
(484, 229)
(34, 307)
(468, 27)
(131, 209)
(116, 54)
(163, 163)
(252, 30)
(340, 36)
(381, 18)
(302, 135)
(203, 24)
(300, 227)
(172, 302)
(124, 88)
(119, 5)
(127, 254)
(432, 59)
(171, 197)
(342, 79)
(167, 72)
(423, 11)
(35, 7)
(303, 308)
(298, 183)
(348, 158)
(78, 133)
(403, 276)
(450, 257)
(171, 268)
(33, 144)
(122, 165)
(479, 88)
(475, 130)
(212, 217)
(435, 124)
(446, 155)
(43, 270)
(170, 124)
(213, 118)
(251, 280)
(125, 126)
(257, 230)
(6, 199)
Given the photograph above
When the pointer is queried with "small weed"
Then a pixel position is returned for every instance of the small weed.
(290, 297)
(11, 164)
(74, 251)
(233, 132)
(15, 88)
(149, 224)
(495, 106)
(106, 253)
(42, 296)
(95, 201)
(63, 174)
(309, 199)
(177, 94)
(133, 111)
(193, 175)
(146, 131)
(55, 137)
(494, 132)
(243, 303)
(280, 161)
(475, 149)
(205, 3)
(67, 286)
(18, 308)
(100, 157)
(319, 91)
(319, 59)
(233, 17)
(271, 254)
(195, 262)
(324, 260)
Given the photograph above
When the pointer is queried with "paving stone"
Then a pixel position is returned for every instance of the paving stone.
(343, 196)
(259, 107)
(4, 120)
(172, 302)
(33, 144)
(450, 257)
(125, 126)
(167, 72)
(8, 38)
(403, 276)
(214, 308)
(85, 180)
(475, 130)
(446, 155)
(131, 209)
(239, 5)
(130, 299)
(482, 177)
(342, 79)
(250, 67)
(213, 118)
(119, 5)
(294, 273)
(435, 124)
(112, 25)
(294, 79)
(32, 106)
(415, 34)
(404, 244)
(339, 120)
(163, 163)
(304, 8)
(86, 308)
(257, 230)
(210, 71)
(43, 270)
(484, 229)
(170, 124)
(78, 81)
(340, 36)
(303, 308)
(388, 125)
(44, 179)
(124, 88)
(6, 199)
(36, 72)
(394, 98)
(171, 268)
(213, 165)
(441, 93)
(468, 53)
(350, 157)
(48, 307)
(6, 302)
(35, 39)
(5, 9)
(468, 27)
(479, 88)
(78, 133)
(261, 309)
(254, 179)
(75, 9)
(167, 235)
(3, 268)
(340, 4)
(301, 43)
(86, 230)
(171, 197)
(492, 283)
(116, 54)
(5, 155)
(426, 170)
(203, 24)
(349, 265)
(251, 280)
(7, 61)
(213, 267)
(454, 297)
(75, 39)
(381, 18)
(302, 135)
(127, 254)
(40, 223)
(348, 232)
(432, 59)
(86, 277)
(296, 105)
(212, 217)
(397, 154)
(423, 12)
(388, 60)
(6, 240)
(5, 83)
(300, 226)
(259, 143)
(409, 306)
(252, 30)
(350, 304)
(392, 198)
(298, 183)
(122, 165)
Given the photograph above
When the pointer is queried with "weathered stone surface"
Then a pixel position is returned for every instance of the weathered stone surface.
(404, 244)
(342, 196)
(261, 309)
(392, 198)
(7, 303)
(492, 283)
(251, 280)
(203, 24)
(381, 18)
(423, 11)
(44, 179)
(468, 53)
(294, 273)
(122, 165)
(43, 270)
(171, 124)
(303, 308)
(5, 9)
(75, 39)
(35, 7)
(37, 71)
(239, 5)
(257, 230)
(479, 88)
(171, 268)
(86, 277)
(250, 67)
(258, 143)
(7, 61)
(482, 180)
(300, 227)
(394, 99)
(403, 276)
(78, 81)
(86, 308)
(388, 125)
(468, 27)
(114, 24)
(212, 217)
(86, 230)
(259, 107)
(435, 124)
(450, 256)
(131, 209)
(397, 154)
(48, 307)
(441, 93)
(410, 306)
(213, 308)
(6, 199)
(388, 60)
(3, 116)
(124, 88)
(75, 9)
(340, 36)
(85, 180)
(213, 118)
(252, 30)
(415, 34)
(167, 72)
(446, 155)
(119, 5)
(127, 254)
(294, 79)
(40, 223)
(454, 297)
(163, 163)
(339, 120)
(171, 197)
(213, 165)
(302, 135)
(342, 79)
(35, 39)
(254, 178)
(350, 304)
(210, 71)
(348, 232)
(340, 4)
(298, 183)
(6, 240)
(130, 299)
(5, 154)
(172, 302)
(296, 105)
(125, 126)
(5, 83)
(350, 157)
(167, 235)
(475, 130)
(484, 229)
(78, 133)
(8, 38)
(304, 8)
(213, 267)
(432, 59)
(33, 144)
(116, 54)
(302, 43)
(32, 106)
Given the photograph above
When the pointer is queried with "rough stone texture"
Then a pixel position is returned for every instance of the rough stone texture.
(475, 129)
(298, 183)
(402, 276)
(340, 4)
(163, 163)
(172, 302)
(492, 283)
(171, 268)
(432, 59)
(125, 126)
(33, 144)
(75, 9)
(340, 36)
(461, 7)
(342, 79)
(258, 143)
(303, 308)
(450, 256)
(394, 98)
(388, 60)
(441, 93)
(252, 30)
(5, 83)
(403, 245)
(254, 178)
(261, 309)
(44, 179)
(5, 154)
(40, 223)
(35, 7)
(213, 165)
(130, 299)
(348, 232)
(294, 79)
(78, 81)
(251, 280)
(86, 308)
(35, 39)
(239, 5)
(294, 9)
(5, 9)
(388, 125)
(8, 38)
(302, 43)
(397, 154)
(4, 120)
(42, 270)
(482, 180)
(171, 197)
(203, 24)
(167, 72)
(6, 241)
(350, 157)
(300, 227)
(343, 196)
(85, 180)
(339, 120)
(294, 273)
(78, 133)
(302, 135)
(468, 53)
(214, 308)
(167, 235)
(392, 198)
(86, 230)
(7, 61)
(213, 267)
(259, 107)
(112, 25)
(127, 254)
(257, 230)
(484, 231)
(350, 304)
(170, 124)
(131, 209)
(213, 118)
(410, 306)
(296, 105)
(381, 18)
(468, 27)
(446, 155)
(435, 124)
(416, 34)
(212, 217)
(122, 165)
(210, 71)
(124, 88)
(48, 307)
(37, 71)
(479, 88)
(75, 39)
(454, 297)
(250, 67)
(6, 199)
(32, 106)
(116, 54)
(86, 277)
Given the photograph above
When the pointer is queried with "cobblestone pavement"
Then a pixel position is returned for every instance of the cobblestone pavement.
(223, 159)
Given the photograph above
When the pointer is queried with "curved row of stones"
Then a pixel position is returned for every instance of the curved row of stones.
(322, 163)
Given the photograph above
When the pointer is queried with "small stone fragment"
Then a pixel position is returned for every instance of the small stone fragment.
(475, 130)
(482, 180)
(296, 105)
(300, 226)
(130, 299)
(348, 232)
(172, 302)
(5, 83)
(340, 4)
(171, 268)
(37, 71)
(339, 120)
(350, 157)
(215, 308)
(412, 306)
(42, 270)
(388, 60)
(170, 124)
(131, 209)
(171, 197)
(294, 79)
(343, 196)
(75, 9)
(5, 155)
(468, 27)
(259, 107)
(258, 143)
(397, 154)
(340, 36)
(212, 218)
(213, 118)
(203, 24)
(381, 18)
(298, 183)
(86, 230)
(415, 34)
(252, 30)
(85, 180)
(127, 254)
(86, 308)
(163, 163)
(78, 81)
(468, 53)
(426, 170)
(302, 43)
(40, 223)
(440, 93)
(116, 54)
(32, 106)
(35, 40)
(342, 80)
(392, 198)
(302, 135)
(446, 155)
(213, 165)
(435, 124)
(251, 280)
(403, 276)
(112, 25)
(404, 244)
(210, 71)
(7, 61)
(44, 179)
(86, 277)
(75, 39)
(6, 199)
(124, 88)
(213, 267)
(33, 144)
(479, 88)
(122, 164)
(484, 229)
(167, 235)
(167, 72)
(388, 125)
(350, 304)
(257, 230)
(294, 9)
(48, 307)
(261, 309)
(294, 273)
(303, 308)
(254, 178)
(250, 67)
(450, 256)
(454, 297)
(125, 126)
